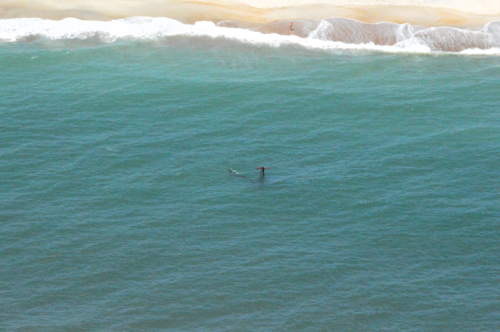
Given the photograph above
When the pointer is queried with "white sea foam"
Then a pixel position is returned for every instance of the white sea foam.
(334, 33)
(476, 51)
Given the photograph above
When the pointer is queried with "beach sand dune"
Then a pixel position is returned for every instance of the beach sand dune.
(460, 13)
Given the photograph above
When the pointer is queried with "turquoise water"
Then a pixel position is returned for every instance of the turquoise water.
(380, 211)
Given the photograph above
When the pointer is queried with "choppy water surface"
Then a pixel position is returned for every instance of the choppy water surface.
(380, 211)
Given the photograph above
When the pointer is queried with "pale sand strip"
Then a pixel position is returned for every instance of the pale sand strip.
(461, 13)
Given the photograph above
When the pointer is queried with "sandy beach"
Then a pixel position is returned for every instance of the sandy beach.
(460, 13)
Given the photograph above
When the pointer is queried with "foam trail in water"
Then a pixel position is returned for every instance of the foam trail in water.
(333, 33)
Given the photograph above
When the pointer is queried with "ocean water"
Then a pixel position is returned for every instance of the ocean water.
(118, 213)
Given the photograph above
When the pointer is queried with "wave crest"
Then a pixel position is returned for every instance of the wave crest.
(332, 33)
(354, 32)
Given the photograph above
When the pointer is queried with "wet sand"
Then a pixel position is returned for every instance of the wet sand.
(421, 12)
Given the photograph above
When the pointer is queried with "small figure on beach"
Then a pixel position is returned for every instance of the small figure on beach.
(291, 26)
(262, 170)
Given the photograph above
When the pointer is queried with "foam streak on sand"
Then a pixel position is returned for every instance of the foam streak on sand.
(328, 34)
(460, 13)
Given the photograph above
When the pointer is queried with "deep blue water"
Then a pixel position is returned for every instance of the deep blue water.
(117, 213)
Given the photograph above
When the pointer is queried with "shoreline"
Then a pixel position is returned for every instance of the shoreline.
(192, 11)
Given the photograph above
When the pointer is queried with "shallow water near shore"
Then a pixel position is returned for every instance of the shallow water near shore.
(380, 211)
(327, 34)
(457, 13)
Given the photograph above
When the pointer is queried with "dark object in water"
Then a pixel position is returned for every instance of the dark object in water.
(262, 170)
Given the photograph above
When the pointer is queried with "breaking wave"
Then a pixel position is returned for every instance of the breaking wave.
(332, 33)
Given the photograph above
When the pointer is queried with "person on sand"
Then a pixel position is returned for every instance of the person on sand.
(262, 170)
(291, 26)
